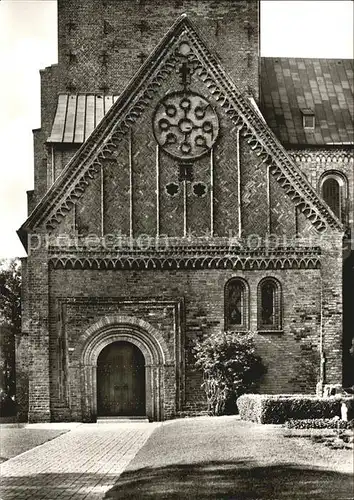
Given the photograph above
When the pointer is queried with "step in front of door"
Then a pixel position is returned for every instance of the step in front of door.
(120, 420)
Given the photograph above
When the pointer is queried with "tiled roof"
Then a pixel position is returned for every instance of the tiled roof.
(325, 86)
(290, 89)
(77, 115)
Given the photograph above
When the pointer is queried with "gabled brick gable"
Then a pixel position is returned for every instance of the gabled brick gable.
(102, 143)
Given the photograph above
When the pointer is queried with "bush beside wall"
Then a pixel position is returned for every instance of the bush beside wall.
(269, 409)
(319, 423)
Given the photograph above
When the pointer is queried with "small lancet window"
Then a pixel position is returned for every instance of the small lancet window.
(308, 119)
(269, 305)
(235, 304)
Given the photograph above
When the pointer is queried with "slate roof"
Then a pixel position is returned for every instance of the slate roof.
(325, 86)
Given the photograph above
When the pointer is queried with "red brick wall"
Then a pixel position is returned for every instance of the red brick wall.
(42, 156)
(291, 356)
(230, 28)
(311, 310)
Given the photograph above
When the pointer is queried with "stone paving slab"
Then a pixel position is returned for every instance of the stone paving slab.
(81, 464)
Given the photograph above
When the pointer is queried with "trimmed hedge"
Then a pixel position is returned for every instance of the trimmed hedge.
(319, 423)
(276, 409)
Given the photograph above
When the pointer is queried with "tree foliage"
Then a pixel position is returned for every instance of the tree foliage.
(10, 294)
(230, 368)
(10, 326)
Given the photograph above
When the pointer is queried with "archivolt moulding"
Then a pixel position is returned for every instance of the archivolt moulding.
(116, 328)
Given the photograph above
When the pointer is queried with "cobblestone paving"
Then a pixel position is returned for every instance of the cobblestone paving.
(81, 464)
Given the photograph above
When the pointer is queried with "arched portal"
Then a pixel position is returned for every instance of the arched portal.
(138, 343)
(120, 380)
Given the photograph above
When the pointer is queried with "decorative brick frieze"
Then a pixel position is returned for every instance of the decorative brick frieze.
(323, 156)
(190, 258)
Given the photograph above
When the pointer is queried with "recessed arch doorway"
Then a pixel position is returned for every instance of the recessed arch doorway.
(143, 340)
(121, 380)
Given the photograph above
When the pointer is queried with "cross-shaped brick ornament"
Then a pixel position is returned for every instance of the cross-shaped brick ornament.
(104, 58)
(70, 26)
(249, 29)
(143, 26)
(104, 88)
(107, 27)
(141, 56)
(72, 58)
(71, 88)
(184, 71)
(185, 172)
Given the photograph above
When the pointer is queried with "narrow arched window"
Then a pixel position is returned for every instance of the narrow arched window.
(236, 304)
(333, 187)
(331, 195)
(269, 304)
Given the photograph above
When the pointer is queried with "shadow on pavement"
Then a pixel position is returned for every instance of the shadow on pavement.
(56, 485)
(206, 480)
(232, 480)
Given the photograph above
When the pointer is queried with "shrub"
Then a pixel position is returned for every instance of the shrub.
(230, 367)
(7, 405)
(319, 423)
(269, 409)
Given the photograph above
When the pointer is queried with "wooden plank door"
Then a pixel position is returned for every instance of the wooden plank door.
(121, 380)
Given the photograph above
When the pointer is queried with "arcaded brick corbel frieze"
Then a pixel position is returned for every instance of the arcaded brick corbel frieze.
(323, 156)
(187, 257)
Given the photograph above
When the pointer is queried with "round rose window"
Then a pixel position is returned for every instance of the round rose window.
(185, 125)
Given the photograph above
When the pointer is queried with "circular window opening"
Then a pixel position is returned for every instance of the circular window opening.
(172, 189)
(199, 189)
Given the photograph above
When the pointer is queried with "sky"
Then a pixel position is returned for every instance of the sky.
(28, 42)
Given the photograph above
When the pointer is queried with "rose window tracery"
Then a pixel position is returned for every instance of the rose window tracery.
(185, 125)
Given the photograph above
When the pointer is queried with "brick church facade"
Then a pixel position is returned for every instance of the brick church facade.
(183, 186)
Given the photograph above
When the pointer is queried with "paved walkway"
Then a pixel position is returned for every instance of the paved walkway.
(193, 459)
(225, 458)
(81, 464)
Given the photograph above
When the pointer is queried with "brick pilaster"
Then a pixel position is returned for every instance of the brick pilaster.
(38, 336)
(332, 309)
